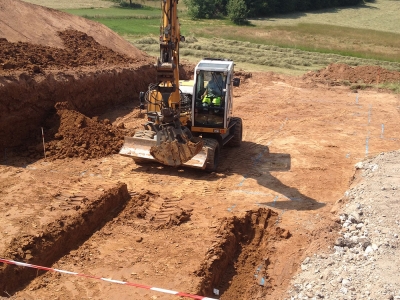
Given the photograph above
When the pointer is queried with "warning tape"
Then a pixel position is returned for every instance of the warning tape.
(21, 264)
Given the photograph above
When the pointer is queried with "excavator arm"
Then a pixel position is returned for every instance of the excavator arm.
(173, 143)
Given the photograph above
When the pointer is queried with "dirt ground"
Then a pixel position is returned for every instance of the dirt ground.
(297, 159)
(239, 233)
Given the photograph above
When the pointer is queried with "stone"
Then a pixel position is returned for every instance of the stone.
(339, 241)
(306, 261)
(360, 225)
(368, 250)
(346, 282)
(358, 165)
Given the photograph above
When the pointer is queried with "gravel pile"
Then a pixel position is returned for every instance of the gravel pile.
(364, 262)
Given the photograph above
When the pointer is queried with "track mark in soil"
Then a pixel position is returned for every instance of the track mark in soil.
(244, 260)
(148, 209)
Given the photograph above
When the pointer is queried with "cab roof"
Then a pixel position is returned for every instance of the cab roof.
(211, 64)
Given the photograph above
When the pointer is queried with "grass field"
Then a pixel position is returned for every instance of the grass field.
(295, 43)
(68, 4)
(380, 15)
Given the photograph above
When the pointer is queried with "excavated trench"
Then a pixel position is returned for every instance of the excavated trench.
(59, 237)
(240, 264)
(28, 101)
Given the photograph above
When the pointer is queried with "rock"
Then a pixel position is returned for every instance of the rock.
(339, 242)
(309, 295)
(358, 165)
(364, 242)
(306, 261)
(359, 225)
(346, 282)
(368, 250)
(304, 267)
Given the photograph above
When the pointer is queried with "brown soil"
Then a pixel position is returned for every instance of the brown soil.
(80, 136)
(28, 23)
(242, 231)
(58, 237)
(360, 74)
(80, 50)
(195, 232)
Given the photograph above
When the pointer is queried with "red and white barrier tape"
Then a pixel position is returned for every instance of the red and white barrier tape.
(21, 264)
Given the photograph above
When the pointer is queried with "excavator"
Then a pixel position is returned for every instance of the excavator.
(187, 121)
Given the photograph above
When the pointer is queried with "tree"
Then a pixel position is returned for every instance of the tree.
(237, 11)
(201, 9)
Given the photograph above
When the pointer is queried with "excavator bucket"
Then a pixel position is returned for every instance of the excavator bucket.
(175, 153)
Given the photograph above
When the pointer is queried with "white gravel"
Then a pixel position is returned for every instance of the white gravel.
(364, 262)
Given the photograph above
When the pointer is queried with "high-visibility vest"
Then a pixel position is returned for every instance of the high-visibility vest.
(215, 101)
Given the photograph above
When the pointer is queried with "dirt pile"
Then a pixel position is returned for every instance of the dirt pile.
(80, 136)
(80, 50)
(29, 23)
(360, 74)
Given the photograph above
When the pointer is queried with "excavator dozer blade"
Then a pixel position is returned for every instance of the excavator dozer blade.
(174, 153)
(137, 147)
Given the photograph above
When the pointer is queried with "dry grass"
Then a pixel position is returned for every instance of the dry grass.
(70, 4)
(264, 57)
(381, 15)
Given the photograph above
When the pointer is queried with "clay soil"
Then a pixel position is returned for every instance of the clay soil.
(239, 233)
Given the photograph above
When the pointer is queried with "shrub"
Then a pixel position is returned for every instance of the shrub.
(237, 11)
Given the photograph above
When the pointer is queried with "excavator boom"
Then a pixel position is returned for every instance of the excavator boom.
(173, 143)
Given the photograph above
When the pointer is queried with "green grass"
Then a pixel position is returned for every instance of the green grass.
(367, 34)
(393, 86)
(260, 55)
(132, 27)
(116, 13)
(380, 15)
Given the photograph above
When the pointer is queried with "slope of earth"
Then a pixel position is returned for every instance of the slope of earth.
(341, 73)
(80, 50)
(65, 4)
(25, 22)
(301, 141)
(47, 57)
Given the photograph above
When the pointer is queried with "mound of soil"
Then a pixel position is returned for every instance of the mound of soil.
(80, 136)
(80, 50)
(29, 23)
(359, 74)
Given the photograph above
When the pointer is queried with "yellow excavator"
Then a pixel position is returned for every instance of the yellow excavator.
(188, 121)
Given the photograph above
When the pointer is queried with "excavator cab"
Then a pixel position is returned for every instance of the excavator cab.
(212, 96)
(210, 100)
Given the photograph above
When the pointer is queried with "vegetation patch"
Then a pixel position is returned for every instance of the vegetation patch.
(267, 55)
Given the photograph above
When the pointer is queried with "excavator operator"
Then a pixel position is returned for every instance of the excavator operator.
(214, 90)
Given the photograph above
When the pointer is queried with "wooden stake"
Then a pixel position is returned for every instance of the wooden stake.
(44, 148)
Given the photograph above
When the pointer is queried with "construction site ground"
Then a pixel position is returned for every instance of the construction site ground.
(238, 233)
(297, 158)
